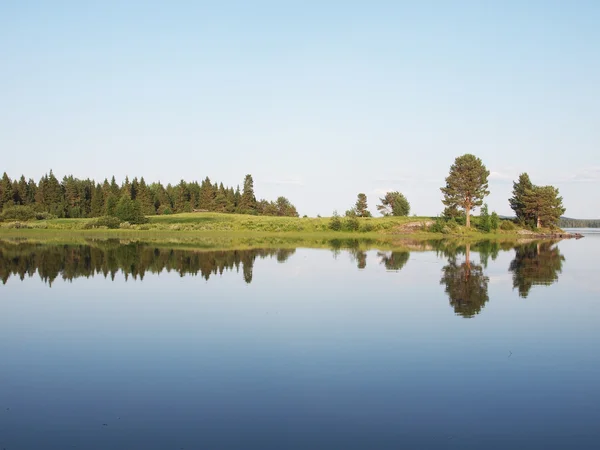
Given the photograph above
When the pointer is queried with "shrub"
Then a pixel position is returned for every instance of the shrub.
(438, 226)
(105, 221)
(351, 223)
(18, 212)
(367, 227)
(507, 225)
(43, 215)
(335, 223)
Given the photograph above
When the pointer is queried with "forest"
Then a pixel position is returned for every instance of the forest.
(76, 198)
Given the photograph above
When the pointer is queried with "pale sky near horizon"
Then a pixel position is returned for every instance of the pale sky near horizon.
(318, 100)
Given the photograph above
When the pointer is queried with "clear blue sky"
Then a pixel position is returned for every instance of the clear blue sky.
(318, 100)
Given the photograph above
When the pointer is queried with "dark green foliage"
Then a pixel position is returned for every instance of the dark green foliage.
(6, 191)
(104, 222)
(466, 185)
(75, 198)
(394, 204)
(517, 201)
(110, 205)
(335, 223)
(545, 204)
(248, 200)
(128, 210)
(97, 203)
(361, 207)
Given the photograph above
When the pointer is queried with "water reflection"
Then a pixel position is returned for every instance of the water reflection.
(465, 284)
(133, 260)
(536, 263)
(393, 260)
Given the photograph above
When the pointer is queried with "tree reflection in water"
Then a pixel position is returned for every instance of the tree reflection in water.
(466, 284)
(133, 260)
(535, 264)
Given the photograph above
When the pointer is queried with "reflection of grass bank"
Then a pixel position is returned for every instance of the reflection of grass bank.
(247, 240)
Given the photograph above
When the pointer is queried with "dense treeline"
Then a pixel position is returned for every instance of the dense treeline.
(76, 198)
(565, 222)
(133, 260)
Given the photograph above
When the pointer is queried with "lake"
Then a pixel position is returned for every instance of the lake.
(112, 345)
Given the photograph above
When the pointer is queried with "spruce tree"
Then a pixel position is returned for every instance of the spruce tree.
(361, 208)
(466, 184)
(248, 200)
(97, 205)
(6, 192)
(517, 201)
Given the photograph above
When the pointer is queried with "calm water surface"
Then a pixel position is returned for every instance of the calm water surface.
(112, 346)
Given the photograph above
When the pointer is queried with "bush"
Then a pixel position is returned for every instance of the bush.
(130, 211)
(105, 221)
(18, 225)
(18, 212)
(335, 223)
(351, 223)
(367, 227)
(507, 225)
(438, 226)
(43, 215)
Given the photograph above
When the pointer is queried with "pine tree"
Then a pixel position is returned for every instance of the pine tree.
(466, 185)
(6, 192)
(145, 197)
(97, 205)
(182, 200)
(517, 201)
(31, 191)
(545, 204)
(248, 200)
(361, 208)
(126, 188)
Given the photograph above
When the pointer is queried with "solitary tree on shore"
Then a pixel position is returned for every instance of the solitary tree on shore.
(544, 204)
(466, 185)
(361, 207)
(394, 204)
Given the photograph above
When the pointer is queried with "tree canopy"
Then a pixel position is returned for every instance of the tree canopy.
(394, 204)
(466, 184)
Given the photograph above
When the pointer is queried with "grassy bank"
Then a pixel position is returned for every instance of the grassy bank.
(229, 228)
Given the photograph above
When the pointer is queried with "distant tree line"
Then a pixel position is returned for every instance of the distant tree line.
(566, 222)
(75, 198)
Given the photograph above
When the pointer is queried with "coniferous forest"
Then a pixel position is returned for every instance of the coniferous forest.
(76, 198)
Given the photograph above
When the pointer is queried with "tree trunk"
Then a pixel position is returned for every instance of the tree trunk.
(539, 223)
(468, 213)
